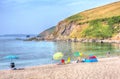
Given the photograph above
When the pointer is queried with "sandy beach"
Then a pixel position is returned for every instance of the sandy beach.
(106, 68)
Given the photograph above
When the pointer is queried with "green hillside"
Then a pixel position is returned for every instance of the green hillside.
(96, 13)
(47, 31)
(99, 23)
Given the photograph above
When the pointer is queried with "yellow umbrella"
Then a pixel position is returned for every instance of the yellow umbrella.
(58, 56)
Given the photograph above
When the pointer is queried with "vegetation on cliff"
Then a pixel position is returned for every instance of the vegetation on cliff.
(47, 32)
(99, 23)
(102, 28)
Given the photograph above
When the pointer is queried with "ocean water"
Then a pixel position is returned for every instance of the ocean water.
(33, 53)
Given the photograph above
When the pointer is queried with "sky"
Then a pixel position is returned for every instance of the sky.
(34, 16)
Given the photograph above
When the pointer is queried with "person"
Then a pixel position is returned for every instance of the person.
(12, 65)
(108, 54)
(83, 60)
(62, 61)
(78, 60)
(68, 60)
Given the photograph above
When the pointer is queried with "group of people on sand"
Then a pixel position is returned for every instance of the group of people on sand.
(90, 58)
(62, 61)
(68, 61)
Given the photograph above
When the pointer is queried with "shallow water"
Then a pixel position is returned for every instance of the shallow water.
(32, 53)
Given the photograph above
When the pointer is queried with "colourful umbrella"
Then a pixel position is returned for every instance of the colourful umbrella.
(11, 57)
(77, 54)
(58, 56)
(81, 54)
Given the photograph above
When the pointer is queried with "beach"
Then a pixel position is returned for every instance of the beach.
(105, 68)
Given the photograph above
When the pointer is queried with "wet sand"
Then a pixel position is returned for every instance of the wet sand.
(106, 68)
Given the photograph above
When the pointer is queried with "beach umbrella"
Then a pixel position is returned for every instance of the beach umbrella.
(81, 54)
(77, 54)
(11, 57)
(58, 56)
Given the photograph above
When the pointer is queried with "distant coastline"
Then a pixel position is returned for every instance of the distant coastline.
(19, 35)
(75, 40)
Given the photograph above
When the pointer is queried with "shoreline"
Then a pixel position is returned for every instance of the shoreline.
(75, 40)
(105, 68)
(72, 62)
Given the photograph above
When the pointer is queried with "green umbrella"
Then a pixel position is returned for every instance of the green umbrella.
(58, 56)
(76, 54)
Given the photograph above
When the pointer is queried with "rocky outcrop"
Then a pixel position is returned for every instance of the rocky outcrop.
(64, 29)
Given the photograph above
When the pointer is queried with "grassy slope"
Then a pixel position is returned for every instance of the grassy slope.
(83, 19)
(47, 32)
(96, 13)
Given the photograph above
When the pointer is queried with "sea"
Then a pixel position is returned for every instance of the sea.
(35, 53)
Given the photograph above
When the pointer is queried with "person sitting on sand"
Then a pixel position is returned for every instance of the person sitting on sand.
(62, 61)
(12, 66)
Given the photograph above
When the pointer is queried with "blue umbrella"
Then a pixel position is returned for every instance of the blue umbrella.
(11, 57)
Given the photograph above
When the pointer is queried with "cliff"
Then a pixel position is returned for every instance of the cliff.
(97, 23)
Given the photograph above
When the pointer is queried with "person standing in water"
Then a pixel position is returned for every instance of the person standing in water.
(108, 54)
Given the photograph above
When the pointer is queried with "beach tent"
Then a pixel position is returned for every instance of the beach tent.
(91, 59)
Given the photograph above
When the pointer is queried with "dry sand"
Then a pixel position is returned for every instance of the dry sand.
(106, 68)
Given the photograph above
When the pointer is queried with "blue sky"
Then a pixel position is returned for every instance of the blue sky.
(34, 16)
